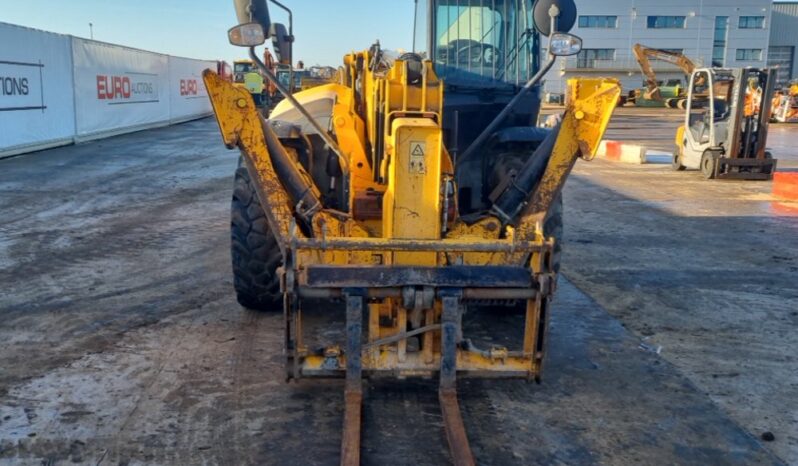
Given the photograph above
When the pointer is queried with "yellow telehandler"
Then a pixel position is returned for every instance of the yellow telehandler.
(413, 190)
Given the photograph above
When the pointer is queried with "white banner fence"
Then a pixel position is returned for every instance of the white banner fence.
(57, 89)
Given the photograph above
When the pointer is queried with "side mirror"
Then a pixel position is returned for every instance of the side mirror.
(564, 45)
(253, 11)
(559, 13)
(281, 43)
(246, 35)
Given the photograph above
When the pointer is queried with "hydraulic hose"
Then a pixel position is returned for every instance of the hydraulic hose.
(300, 187)
(516, 195)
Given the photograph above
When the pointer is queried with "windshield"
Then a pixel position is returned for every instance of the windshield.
(243, 67)
(484, 40)
(282, 78)
(239, 70)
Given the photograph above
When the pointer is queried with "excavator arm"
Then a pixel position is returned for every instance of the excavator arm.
(644, 55)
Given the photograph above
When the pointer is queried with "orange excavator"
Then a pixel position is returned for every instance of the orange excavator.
(675, 96)
(270, 88)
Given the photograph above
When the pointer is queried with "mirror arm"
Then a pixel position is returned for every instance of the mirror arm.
(290, 44)
(480, 140)
(329, 141)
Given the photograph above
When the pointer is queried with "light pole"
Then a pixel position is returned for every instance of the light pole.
(91, 31)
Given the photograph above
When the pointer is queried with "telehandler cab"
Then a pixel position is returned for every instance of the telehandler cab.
(412, 191)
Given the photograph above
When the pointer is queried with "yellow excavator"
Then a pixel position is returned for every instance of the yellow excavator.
(415, 189)
(672, 94)
(246, 76)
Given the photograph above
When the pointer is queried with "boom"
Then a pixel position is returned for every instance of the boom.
(644, 55)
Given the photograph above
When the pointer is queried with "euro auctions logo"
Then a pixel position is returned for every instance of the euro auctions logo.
(130, 88)
(191, 88)
(21, 86)
(188, 87)
(13, 85)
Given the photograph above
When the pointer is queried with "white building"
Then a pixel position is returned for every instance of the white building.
(723, 33)
(784, 40)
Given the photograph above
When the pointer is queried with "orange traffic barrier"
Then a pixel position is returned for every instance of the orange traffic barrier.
(785, 185)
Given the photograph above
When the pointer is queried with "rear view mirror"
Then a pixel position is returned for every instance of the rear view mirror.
(564, 45)
(247, 35)
(560, 12)
(253, 11)
(281, 43)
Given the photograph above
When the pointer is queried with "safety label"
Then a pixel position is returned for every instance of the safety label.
(417, 151)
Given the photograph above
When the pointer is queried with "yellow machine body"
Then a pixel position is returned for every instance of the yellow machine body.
(401, 259)
(411, 179)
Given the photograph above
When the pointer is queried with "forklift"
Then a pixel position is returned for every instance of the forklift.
(726, 124)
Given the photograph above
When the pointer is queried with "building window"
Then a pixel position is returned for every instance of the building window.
(605, 22)
(749, 54)
(719, 45)
(666, 22)
(780, 58)
(591, 58)
(752, 22)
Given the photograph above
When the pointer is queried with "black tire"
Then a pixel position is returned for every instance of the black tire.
(676, 163)
(554, 227)
(253, 248)
(709, 162)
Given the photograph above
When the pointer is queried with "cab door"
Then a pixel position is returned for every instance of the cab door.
(698, 123)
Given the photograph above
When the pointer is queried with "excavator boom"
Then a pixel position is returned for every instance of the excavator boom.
(644, 55)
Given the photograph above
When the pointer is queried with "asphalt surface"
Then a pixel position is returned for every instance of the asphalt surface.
(671, 340)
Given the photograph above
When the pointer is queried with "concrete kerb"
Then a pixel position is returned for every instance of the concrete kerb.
(617, 151)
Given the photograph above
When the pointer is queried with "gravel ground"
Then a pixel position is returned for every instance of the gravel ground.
(122, 342)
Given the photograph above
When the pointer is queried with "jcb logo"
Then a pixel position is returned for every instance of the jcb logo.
(188, 87)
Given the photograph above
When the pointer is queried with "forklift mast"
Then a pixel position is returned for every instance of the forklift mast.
(749, 141)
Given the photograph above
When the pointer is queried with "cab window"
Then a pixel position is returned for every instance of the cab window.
(477, 39)
(700, 108)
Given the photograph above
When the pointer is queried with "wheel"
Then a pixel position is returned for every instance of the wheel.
(676, 162)
(254, 250)
(709, 162)
(768, 169)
